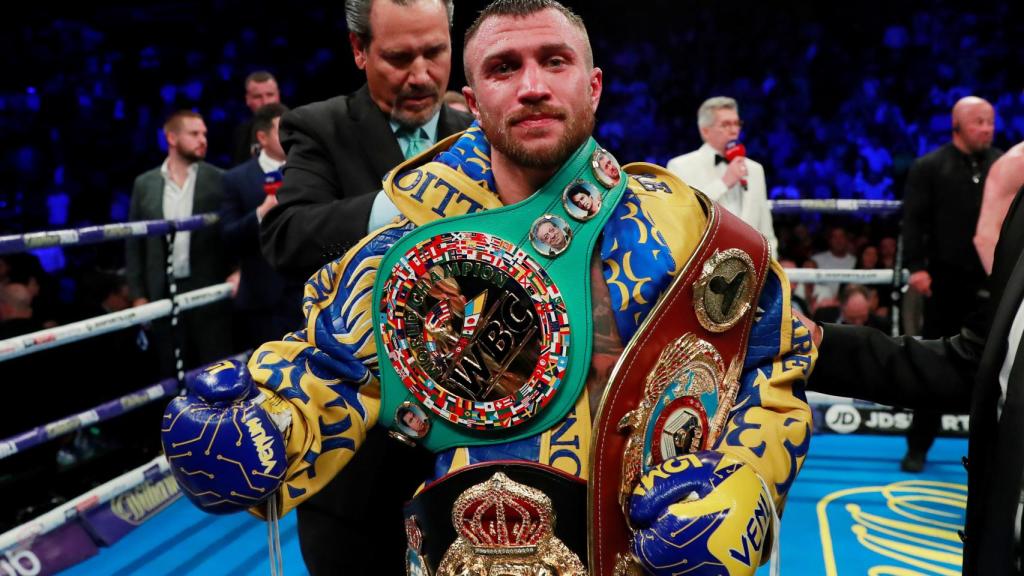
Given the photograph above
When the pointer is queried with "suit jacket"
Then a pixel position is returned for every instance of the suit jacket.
(953, 374)
(146, 258)
(338, 153)
(698, 170)
(260, 287)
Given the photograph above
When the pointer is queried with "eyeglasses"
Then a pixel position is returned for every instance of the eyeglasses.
(730, 124)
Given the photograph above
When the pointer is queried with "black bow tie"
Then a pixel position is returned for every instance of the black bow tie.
(719, 159)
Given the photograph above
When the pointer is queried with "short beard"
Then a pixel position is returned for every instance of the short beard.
(415, 120)
(577, 130)
(192, 156)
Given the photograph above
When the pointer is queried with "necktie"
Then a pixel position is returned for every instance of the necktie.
(415, 141)
(719, 159)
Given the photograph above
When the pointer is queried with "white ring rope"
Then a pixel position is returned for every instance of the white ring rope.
(60, 335)
(846, 276)
(104, 493)
(105, 233)
(833, 205)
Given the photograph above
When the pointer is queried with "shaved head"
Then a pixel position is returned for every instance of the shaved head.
(974, 122)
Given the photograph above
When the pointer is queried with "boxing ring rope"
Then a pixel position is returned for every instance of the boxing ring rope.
(105, 233)
(116, 407)
(158, 467)
(98, 325)
(58, 336)
(835, 206)
(72, 509)
(838, 275)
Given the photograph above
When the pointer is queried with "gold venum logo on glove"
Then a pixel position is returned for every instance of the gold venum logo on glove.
(687, 398)
(506, 529)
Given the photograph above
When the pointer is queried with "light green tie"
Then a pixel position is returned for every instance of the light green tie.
(416, 141)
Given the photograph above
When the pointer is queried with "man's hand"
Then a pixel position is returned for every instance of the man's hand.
(700, 514)
(921, 282)
(269, 202)
(234, 278)
(735, 172)
(225, 450)
(811, 326)
(140, 302)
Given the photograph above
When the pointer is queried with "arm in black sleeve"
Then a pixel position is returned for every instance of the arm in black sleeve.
(916, 216)
(861, 362)
(241, 228)
(317, 219)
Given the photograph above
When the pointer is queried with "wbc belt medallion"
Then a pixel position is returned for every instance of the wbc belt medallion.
(475, 329)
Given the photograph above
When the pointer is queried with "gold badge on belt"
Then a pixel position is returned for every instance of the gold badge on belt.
(726, 290)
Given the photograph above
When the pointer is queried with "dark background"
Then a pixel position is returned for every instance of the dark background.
(838, 98)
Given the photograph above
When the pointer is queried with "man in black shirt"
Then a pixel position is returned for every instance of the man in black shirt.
(942, 202)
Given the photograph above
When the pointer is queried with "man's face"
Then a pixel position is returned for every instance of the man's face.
(551, 235)
(408, 59)
(837, 241)
(977, 126)
(582, 200)
(856, 310)
(413, 422)
(609, 168)
(271, 141)
(725, 127)
(532, 87)
(258, 94)
(887, 247)
(190, 139)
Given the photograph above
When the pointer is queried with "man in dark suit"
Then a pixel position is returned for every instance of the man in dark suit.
(338, 153)
(340, 149)
(941, 206)
(260, 89)
(266, 307)
(182, 186)
(981, 369)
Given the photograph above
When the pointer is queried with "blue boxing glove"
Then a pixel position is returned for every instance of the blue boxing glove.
(701, 514)
(225, 450)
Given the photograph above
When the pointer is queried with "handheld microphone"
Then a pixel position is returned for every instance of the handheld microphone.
(271, 182)
(736, 149)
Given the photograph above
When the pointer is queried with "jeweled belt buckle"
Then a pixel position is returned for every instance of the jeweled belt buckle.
(506, 529)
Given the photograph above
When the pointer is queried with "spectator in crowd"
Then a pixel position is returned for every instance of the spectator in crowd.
(869, 259)
(737, 184)
(16, 310)
(180, 187)
(837, 257)
(260, 89)
(266, 306)
(338, 152)
(887, 252)
(854, 309)
(942, 203)
(340, 149)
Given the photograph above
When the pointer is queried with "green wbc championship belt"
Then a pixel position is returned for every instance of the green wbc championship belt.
(484, 321)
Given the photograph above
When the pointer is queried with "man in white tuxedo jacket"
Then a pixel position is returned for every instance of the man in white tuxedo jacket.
(737, 185)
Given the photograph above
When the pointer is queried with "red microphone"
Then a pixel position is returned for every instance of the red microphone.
(736, 149)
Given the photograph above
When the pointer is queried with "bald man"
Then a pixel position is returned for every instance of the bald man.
(942, 204)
